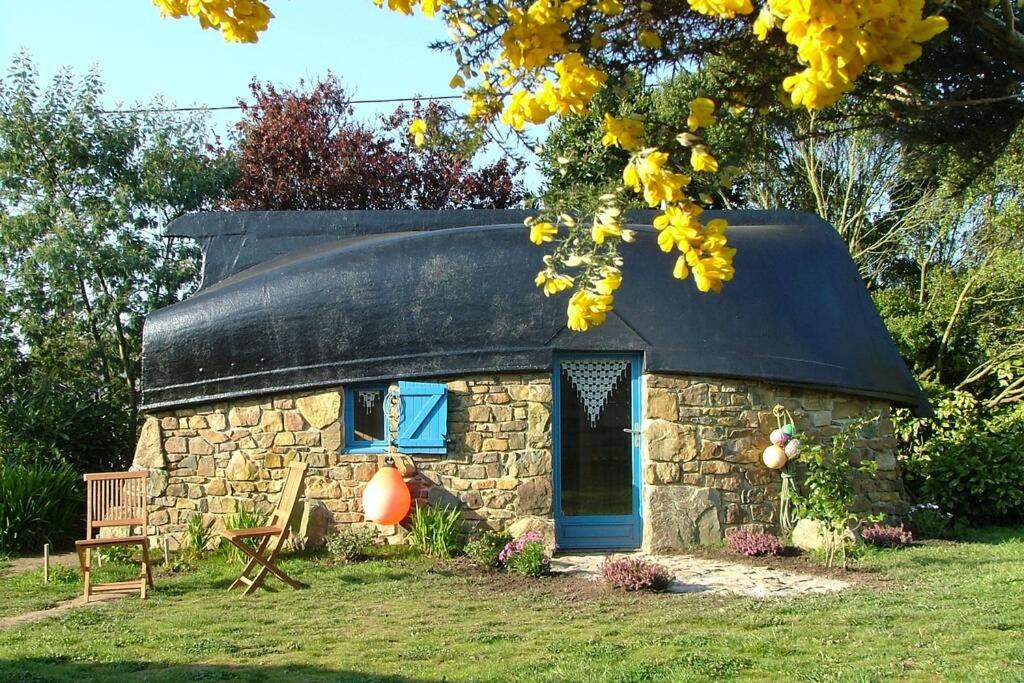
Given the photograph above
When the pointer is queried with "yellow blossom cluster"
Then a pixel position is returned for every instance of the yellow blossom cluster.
(418, 131)
(627, 132)
(839, 39)
(239, 21)
(407, 7)
(703, 249)
(575, 86)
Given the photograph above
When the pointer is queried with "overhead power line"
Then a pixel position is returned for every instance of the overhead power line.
(228, 107)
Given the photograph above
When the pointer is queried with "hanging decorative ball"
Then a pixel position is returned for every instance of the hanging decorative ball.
(386, 498)
(789, 429)
(774, 457)
(779, 437)
(792, 448)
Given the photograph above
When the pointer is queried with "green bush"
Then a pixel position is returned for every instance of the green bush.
(435, 530)
(38, 504)
(198, 538)
(244, 518)
(487, 546)
(968, 461)
(350, 545)
(529, 558)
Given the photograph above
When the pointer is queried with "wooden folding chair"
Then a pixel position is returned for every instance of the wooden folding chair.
(272, 537)
(115, 499)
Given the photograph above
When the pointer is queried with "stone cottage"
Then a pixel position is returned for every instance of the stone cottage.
(338, 338)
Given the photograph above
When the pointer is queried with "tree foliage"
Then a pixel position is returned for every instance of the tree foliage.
(83, 197)
(303, 149)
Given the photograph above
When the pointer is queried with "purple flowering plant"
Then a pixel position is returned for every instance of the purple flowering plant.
(753, 543)
(526, 555)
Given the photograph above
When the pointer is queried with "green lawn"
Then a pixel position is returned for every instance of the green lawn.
(940, 611)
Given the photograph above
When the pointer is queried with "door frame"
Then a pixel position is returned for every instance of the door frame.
(579, 523)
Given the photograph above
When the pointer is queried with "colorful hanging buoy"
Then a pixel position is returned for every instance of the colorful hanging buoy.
(793, 448)
(386, 498)
(779, 437)
(789, 428)
(774, 457)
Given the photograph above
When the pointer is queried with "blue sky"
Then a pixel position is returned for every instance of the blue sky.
(377, 54)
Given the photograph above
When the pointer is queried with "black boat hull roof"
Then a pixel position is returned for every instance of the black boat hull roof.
(441, 301)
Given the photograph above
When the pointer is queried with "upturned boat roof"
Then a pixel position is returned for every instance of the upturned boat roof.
(298, 300)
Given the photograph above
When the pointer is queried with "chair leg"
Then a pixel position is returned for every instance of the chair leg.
(252, 561)
(267, 565)
(83, 561)
(147, 566)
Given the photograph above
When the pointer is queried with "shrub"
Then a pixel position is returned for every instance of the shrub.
(435, 530)
(349, 545)
(885, 536)
(828, 492)
(486, 548)
(635, 574)
(526, 555)
(244, 518)
(968, 460)
(754, 543)
(198, 536)
(927, 520)
(38, 504)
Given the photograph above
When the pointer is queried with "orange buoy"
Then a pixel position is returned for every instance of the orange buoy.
(386, 498)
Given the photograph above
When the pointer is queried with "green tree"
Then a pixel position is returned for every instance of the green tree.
(84, 194)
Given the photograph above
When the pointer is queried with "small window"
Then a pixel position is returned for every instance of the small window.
(366, 419)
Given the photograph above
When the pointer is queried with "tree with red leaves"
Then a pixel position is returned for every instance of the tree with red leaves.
(303, 149)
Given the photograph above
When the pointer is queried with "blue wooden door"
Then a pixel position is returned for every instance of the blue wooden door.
(596, 445)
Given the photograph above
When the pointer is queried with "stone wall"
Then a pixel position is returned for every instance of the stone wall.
(702, 466)
(702, 441)
(211, 460)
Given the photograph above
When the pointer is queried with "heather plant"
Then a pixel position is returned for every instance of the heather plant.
(635, 574)
(485, 549)
(754, 543)
(350, 545)
(885, 536)
(526, 555)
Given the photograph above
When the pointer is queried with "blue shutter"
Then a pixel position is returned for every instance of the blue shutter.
(422, 418)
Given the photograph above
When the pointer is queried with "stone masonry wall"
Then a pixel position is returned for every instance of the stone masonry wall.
(212, 460)
(702, 466)
(702, 442)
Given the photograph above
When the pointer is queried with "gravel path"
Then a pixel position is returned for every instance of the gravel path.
(714, 577)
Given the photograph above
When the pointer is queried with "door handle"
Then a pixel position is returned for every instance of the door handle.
(636, 435)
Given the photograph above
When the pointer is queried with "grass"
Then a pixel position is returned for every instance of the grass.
(939, 611)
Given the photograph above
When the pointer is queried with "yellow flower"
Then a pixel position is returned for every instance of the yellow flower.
(647, 171)
(765, 22)
(611, 279)
(650, 39)
(418, 131)
(702, 113)
(722, 8)
(542, 231)
(624, 132)
(552, 282)
(588, 309)
(457, 81)
(701, 159)
(606, 224)
(609, 7)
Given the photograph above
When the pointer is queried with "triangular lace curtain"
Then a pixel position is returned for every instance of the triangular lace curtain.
(594, 381)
